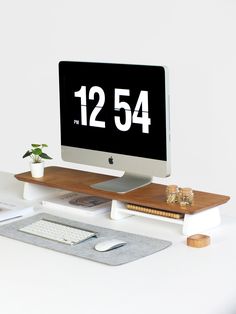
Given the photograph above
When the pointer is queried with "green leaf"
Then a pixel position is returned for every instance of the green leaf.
(45, 156)
(35, 145)
(37, 151)
(44, 145)
(27, 154)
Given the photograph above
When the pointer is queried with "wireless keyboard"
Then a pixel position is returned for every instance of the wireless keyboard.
(58, 232)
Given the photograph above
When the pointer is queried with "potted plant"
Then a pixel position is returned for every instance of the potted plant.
(37, 155)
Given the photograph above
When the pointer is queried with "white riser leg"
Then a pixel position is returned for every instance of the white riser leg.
(202, 221)
(35, 191)
(116, 212)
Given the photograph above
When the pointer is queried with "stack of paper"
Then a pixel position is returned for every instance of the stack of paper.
(78, 203)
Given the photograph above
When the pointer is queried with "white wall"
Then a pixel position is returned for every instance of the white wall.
(195, 39)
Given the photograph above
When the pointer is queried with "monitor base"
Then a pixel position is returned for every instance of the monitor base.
(128, 182)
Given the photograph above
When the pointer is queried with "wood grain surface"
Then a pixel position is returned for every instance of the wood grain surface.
(152, 195)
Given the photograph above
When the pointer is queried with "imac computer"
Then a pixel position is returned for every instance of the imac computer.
(116, 116)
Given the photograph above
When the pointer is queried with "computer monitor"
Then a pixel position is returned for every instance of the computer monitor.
(116, 116)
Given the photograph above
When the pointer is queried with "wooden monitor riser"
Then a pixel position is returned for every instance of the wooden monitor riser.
(204, 210)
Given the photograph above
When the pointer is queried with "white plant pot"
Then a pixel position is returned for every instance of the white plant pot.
(37, 169)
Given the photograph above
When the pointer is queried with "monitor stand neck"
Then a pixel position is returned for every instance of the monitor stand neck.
(126, 183)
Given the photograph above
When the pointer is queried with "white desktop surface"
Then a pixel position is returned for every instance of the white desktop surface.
(178, 279)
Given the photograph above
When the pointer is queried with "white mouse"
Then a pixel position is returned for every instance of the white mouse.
(108, 245)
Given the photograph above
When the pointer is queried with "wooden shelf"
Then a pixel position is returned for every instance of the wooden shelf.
(152, 195)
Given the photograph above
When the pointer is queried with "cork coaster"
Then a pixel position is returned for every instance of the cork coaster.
(198, 240)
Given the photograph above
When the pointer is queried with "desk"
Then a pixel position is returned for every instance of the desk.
(177, 280)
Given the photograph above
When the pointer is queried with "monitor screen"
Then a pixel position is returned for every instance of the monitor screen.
(115, 116)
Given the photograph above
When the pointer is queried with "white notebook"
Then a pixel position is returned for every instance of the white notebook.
(10, 209)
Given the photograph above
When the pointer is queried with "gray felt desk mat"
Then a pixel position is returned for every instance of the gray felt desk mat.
(137, 246)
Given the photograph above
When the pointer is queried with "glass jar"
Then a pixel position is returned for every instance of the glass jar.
(171, 194)
(185, 196)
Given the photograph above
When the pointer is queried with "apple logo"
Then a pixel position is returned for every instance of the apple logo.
(110, 160)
